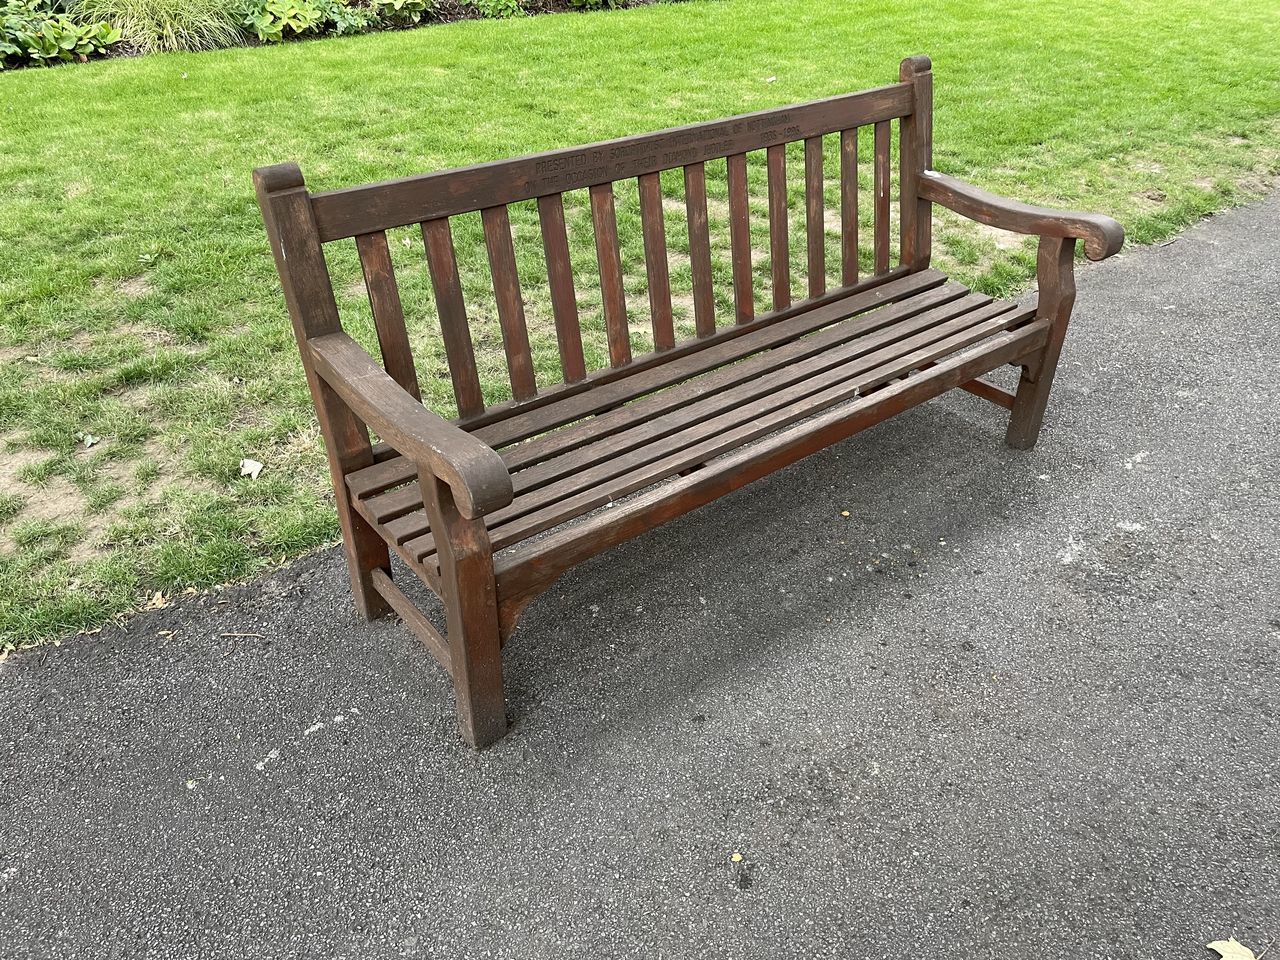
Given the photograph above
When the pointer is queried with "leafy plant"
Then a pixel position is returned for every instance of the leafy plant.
(596, 4)
(497, 9)
(343, 18)
(272, 21)
(155, 26)
(31, 31)
(401, 13)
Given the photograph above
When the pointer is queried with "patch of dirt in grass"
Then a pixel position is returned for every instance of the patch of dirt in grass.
(135, 287)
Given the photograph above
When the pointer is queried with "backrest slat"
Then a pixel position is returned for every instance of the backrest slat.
(849, 207)
(815, 216)
(695, 200)
(506, 290)
(564, 299)
(379, 206)
(443, 265)
(388, 313)
(740, 239)
(609, 257)
(882, 196)
(779, 234)
(653, 225)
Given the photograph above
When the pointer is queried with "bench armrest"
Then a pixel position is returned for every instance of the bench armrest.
(476, 474)
(1102, 236)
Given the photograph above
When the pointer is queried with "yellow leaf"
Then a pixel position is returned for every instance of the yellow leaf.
(844, 513)
(1232, 949)
(737, 857)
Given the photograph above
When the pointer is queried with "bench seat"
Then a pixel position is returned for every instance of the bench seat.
(575, 455)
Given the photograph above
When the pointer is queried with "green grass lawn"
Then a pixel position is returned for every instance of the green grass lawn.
(139, 304)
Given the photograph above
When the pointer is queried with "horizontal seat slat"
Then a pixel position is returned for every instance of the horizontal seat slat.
(523, 570)
(396, 203)
(683, 367)
(724, 421)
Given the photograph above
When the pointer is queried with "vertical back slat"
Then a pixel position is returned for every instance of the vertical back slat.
(653, 226)
(695, 202)
(882, 196)
(740, 239)
(443, 265)
(849, 207)
(510, 301)
(815, 216)
(388, 313)
(779, 240)
(564, 299)
(609, 257)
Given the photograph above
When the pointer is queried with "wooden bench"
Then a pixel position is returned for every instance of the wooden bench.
(489, 508)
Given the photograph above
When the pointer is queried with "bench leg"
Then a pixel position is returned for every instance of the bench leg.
(470, 597)
(1055, 272)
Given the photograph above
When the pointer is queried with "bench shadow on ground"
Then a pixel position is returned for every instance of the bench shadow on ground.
(649, 626)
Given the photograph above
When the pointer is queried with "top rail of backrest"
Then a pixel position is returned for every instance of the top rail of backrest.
(396, 203)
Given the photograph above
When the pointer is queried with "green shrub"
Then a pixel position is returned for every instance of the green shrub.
(497, 9)
(595, 4)
(32, 32)
(155, 26)
(272, 21)
(401, 13)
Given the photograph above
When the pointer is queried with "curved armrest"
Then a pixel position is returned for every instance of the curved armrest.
(476, 474)
(1102, 236)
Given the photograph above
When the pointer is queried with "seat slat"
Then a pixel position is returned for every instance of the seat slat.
(744, 297)
(779, 234)
(815, 216)
(676, 397)
(524, 570)
(789, 386)
(742, 425)
(676, 369)
(388, 313)
(695, 200)
(443, 266)
(564, 299)
(882, 196)
(849, 207)
(654, 228)
(609, 258)
(506, 289)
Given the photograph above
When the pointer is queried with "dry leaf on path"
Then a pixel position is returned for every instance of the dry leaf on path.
(1232, 949)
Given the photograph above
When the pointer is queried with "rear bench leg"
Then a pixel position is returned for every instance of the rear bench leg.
(470, 597)
(1055, 272)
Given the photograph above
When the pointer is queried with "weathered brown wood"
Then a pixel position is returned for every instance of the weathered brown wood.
(510, 301)
(1055, 275)
(779, 226)
(1102, 236)
(388, 313)
(744, 298)
(881, 180)
(849, 207)
(815, 206)
(654, 228)
(915, 155)
(442, 264)
(413, 618)
(609, 258)
(394, 203)
(695, 198)
(488, 510)
(564, 299)
(529, 568)
(471, 616)
(313, 310)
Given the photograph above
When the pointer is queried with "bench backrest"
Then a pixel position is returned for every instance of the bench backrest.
(300, 223)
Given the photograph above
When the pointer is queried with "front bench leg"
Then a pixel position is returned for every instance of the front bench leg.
(1055, 271)
(470, 597)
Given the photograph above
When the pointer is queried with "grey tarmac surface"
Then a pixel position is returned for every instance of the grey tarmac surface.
(1017, 705)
